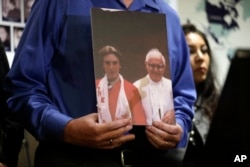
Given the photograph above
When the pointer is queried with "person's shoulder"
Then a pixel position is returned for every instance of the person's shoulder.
(52, 4)
(127, 82)
(47, 1)
(144, 79)
(137, 81)
(165, 7)
(129, 85)
(171, 14)
(167, 80)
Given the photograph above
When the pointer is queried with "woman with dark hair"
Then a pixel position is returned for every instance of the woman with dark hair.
(11, 131)
(207, 92)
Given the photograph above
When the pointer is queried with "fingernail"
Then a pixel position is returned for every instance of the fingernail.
(129, 127)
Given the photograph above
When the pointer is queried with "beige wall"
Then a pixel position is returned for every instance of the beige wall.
(229, 39)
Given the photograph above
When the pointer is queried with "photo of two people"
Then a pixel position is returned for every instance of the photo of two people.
(131, 66)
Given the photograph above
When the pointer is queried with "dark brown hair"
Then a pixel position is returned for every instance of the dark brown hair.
(207, 91)
(109, 49)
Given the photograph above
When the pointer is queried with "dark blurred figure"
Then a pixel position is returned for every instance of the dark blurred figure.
(5, 37)
(11, 132)
(27, 8)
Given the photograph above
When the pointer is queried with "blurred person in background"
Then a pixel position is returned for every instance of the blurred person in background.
(5, 37)
(207, 93)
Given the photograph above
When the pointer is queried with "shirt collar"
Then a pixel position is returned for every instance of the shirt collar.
(139, 4)
(151, 82)
(151, 3)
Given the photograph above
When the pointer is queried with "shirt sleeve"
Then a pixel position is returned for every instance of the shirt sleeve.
(26, 82)
(184, 92)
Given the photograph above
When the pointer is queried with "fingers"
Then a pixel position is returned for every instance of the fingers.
(163, 136)
(165, 127)
(114, 134)
(160, 143)
(169, 117)
(117, 137)
(86, 131)
(117, 124)
(115, 128)
(117, 142)
(161, 132)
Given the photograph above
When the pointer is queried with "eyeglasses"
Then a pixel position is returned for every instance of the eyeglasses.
(157, 66)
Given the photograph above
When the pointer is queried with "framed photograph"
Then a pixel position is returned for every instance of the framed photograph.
(27, 8)
(11, 10)
(131, 66)
(17, 34)
(5, 36)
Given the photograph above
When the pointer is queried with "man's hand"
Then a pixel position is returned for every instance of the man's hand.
(164, 136)
(87, 132)
(169, 117)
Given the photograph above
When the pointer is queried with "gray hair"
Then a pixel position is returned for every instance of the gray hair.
(155, 53)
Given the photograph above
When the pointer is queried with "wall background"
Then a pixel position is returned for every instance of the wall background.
(226, 24)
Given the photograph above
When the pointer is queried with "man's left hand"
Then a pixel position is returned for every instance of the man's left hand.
(164, 136)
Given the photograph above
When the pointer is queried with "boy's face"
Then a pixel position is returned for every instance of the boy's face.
(111, 66)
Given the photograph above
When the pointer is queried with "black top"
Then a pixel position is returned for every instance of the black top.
(11, 132)
(229, 133)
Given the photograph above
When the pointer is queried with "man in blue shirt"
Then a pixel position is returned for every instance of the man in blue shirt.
(52, 89)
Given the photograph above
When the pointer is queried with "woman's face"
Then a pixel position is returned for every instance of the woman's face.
(199, 57)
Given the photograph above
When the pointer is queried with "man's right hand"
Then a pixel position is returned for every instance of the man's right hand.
(87, 132)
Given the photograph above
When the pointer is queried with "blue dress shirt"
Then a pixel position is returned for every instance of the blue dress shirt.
(52, 78)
